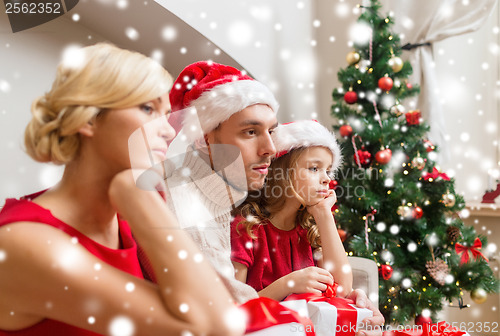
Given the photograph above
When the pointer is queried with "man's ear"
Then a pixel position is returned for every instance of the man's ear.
(202, 142)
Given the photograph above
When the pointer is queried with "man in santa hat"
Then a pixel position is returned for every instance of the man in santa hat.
(227, 117)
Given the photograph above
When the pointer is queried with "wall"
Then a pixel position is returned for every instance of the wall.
(29, 60)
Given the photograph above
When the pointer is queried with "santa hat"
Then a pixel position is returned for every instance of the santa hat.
(305, 133)
(215, 92)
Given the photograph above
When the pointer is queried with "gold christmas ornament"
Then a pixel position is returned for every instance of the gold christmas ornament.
(404, 211)
(397, 110)
(352, 58)
(395, 63)
(449, 200)
(478, 295)
(418, 162)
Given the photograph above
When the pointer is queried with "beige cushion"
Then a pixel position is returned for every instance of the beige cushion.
(365, 276)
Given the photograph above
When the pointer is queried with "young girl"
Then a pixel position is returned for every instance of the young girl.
(69, 265)
(286, 241)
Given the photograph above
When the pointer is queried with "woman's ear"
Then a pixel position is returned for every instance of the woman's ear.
(87, 129)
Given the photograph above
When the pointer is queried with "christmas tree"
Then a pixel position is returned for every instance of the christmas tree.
(395, 204)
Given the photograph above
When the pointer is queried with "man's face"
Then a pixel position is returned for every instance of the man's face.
(250, 130)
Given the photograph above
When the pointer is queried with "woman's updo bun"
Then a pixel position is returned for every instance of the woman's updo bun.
(107, 78)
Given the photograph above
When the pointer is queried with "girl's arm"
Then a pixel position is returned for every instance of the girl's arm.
(308, 280)
(46, 274)
(334, 257)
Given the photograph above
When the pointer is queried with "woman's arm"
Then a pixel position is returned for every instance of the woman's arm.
(46, 274)
(334, 257)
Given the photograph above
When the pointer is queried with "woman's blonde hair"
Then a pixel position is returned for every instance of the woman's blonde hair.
(106, 78)
(258, 209)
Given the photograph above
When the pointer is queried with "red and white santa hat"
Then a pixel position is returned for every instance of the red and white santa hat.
(305, 133)
(216, 92)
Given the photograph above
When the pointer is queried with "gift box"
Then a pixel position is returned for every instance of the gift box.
(267, 317)
(330, 315)
(413, 117)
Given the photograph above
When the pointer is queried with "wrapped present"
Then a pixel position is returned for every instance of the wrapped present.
(332, 316)
(413, 117)
(267, 317)
(428, 329)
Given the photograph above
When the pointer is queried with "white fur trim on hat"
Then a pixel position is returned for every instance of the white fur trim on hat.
(218, 104)
(306, 133)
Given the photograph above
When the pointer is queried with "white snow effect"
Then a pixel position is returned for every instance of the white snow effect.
(182, 254)
(290, 283)
(263, 13)
(3, 255)
(73, 56)
(91, 320)
(132, 33)
(129, 287)
(388, 183)
(394, 229)
(426, 313)
(381, 226)
(236, 319)
(121, 326)
(491, 248)
(122, 4)
(50, 175)
(97, 267)
(169, 33)
(432, 239)
(412, 247)
(240, 33)
(342, 10)
(387, 256)
(183, 50)
(184, 308)
(198, 258)
(406, 283)
(345, 269)
(449, 279)
(360, 33)
(75, 17)
(157, 55)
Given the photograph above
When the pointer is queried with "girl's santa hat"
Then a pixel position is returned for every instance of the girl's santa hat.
(215, 92)
(305, 133)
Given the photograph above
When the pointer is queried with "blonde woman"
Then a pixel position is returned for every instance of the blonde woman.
(70, 264)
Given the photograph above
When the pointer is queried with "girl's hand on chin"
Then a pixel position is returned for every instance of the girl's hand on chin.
(325, 204)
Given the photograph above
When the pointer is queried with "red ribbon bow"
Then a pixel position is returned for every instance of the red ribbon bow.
(347, 315)
(474, 249)
(263, 313)
(435, 175)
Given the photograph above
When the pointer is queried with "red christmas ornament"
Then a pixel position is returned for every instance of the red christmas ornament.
(345, 130)
(333, 184)
(429, 147)
(351, 97)
(383, 156)
(385, 83)
(364, 157)
(385, 271)
(409, 86)
(418, 212)
(421, 321)
(342, 234)
(413, 117)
